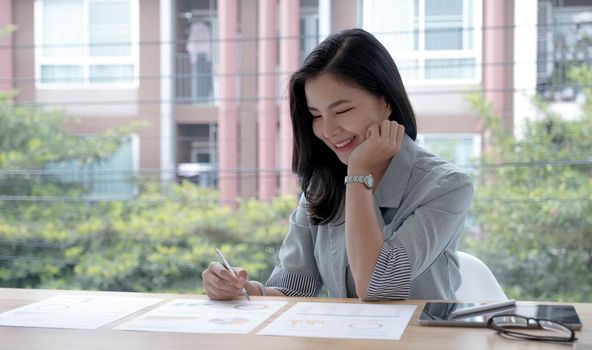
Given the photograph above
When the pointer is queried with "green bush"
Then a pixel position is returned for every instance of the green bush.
(53, 236)
(159, 241)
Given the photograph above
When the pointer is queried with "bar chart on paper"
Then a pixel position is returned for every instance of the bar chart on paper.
(342, 320)
(204, 316)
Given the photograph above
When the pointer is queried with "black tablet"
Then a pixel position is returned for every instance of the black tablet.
(438, 314)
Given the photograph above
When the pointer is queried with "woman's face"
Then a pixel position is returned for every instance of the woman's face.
(342, 112)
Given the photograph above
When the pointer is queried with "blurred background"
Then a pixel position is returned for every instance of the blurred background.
(137, 135)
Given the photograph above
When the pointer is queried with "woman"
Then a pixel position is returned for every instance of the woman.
(380, 217)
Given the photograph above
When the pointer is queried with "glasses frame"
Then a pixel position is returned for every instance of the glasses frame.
(491, 324)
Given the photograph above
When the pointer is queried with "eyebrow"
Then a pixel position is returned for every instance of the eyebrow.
(332, 105)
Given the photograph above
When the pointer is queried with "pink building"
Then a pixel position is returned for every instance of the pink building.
(209, 76)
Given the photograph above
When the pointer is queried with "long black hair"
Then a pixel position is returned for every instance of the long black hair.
(357, 57)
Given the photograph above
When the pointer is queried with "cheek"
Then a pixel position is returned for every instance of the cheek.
(378, 115)
(317, 129)
(371, 118)
(362, 121)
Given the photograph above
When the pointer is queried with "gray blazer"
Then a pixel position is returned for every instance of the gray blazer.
(420, 203)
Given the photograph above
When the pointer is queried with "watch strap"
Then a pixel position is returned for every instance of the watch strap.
(366, 180)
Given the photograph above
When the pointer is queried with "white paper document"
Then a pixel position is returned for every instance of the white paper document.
(342, 320)
(74, 311)
(204, 316)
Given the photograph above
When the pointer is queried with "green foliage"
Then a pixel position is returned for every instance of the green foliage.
(161, 240)
(30, 138)
(158, 241)
(535, 213)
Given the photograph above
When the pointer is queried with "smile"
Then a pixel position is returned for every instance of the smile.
(344, 144)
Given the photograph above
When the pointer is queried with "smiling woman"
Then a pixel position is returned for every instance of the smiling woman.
(345, 113)
(380, 217)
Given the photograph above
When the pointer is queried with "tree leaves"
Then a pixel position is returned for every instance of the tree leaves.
(534, 210)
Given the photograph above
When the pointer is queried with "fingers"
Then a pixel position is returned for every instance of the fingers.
(387, 129)
(387, 136)
(220, 284)
(373, 131)
(241, 274)
(390, 132)
(383, 141)
(215, 293)
(399, 137)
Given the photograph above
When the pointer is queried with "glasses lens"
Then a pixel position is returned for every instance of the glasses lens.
(555, 327)
(510, 321)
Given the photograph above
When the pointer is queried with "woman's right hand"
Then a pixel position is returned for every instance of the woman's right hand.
(383, 141)
(220, 284)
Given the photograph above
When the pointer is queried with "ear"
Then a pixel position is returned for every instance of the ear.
(387, 107)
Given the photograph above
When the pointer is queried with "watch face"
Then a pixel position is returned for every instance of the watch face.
(369, 181)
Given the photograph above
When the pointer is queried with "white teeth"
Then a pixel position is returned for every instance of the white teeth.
(344, 143)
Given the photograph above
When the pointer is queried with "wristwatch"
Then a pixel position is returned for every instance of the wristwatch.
(366, 180)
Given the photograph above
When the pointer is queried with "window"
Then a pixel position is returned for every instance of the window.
(309, 31)
(461, 149)
(115, 176)
(197, 153)
(563, 42)
(108, 179)
(430, 40)
(95, 46)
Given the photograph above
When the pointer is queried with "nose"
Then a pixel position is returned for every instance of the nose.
(330, 127)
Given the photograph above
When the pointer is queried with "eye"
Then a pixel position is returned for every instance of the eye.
(344, 111)
(315, 116)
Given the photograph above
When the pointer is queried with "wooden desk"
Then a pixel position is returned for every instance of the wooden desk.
(414, 337)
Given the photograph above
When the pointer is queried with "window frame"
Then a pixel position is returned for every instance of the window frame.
(86, 60)
(421, 54)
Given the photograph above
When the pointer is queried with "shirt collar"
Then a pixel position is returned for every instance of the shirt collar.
(391, 188)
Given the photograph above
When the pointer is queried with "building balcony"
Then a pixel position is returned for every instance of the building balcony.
(195, 81)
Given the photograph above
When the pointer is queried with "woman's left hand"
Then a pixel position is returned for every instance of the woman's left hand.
(383, 141)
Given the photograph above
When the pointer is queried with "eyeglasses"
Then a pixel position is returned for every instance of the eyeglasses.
(530, 328)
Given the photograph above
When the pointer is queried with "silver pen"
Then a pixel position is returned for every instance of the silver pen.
(227, 267)
(482, 308)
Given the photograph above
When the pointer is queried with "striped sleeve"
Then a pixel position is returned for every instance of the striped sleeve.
(294, 284)
(391, 278)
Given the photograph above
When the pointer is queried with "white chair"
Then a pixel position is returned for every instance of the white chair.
(478, 282)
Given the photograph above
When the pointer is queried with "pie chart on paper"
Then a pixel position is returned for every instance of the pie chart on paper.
(251, 307)
(229, 320)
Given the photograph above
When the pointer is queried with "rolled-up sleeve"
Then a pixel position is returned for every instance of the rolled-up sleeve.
(297, 273)
(423, 236)
(391, 278)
